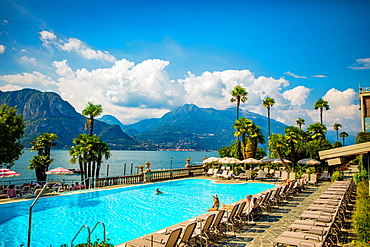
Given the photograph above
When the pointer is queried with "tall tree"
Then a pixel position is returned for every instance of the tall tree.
(336, 127)
(11, 130)
(300, 122)
(239, 94)
(92, 111)
(321, 105)
(278, 146)
(41, 162)
(343, 135)
(268, 103)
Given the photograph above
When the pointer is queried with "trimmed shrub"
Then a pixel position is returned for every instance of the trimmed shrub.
(361, 217)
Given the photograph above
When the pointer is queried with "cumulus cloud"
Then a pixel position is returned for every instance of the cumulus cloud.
(2, 49)
(121, 88)
(288, 73)
(297, 96)
(363, 63)
(49, 39)
(28, 79)
(343, 110)
(10, 87)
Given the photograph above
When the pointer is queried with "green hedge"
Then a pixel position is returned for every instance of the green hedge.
(361, 217)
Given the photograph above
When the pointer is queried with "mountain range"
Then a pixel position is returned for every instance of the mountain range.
(188, 127)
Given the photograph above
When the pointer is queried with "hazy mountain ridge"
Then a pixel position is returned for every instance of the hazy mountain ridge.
(48, 112)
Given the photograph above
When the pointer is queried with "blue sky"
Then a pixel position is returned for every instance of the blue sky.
(140, 59)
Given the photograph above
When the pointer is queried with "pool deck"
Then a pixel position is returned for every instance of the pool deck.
(271, 225)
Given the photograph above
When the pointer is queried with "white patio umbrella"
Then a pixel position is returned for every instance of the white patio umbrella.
(251, 161)
(211, 160)
(309, 161)
(266, 160)
(278, 161)
(229, 161)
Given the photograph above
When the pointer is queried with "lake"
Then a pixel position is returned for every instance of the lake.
(159, 160)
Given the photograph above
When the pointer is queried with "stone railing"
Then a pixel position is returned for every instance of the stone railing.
(151, 176)
(110, 181)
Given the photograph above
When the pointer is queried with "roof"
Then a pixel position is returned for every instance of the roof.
(355, 149)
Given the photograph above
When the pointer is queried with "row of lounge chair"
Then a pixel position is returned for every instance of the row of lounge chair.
(323, 221)
(212, 226)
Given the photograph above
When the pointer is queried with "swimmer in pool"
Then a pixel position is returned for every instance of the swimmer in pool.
(158, 191)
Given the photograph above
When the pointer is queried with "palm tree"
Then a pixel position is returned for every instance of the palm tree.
(239, 95)
(89, 152)
(268, 103)
(336, 127)
(292, 135)
(300, 122)
(321, 104)
(40, 162)
(255, 137)
(343, 135)
(317, 131)
(92, 111)
(241, 125)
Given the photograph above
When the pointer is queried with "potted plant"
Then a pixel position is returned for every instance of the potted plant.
(187, 162)
(336, 176)
(141, 167)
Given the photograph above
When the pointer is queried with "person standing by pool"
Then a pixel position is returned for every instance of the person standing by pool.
(158, 191)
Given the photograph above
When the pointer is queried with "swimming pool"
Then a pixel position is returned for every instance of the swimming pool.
(128, 212)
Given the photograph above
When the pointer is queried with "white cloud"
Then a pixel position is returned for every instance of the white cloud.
(288, 73)
(363, 63)
(30, 60)
(123, 88)
(10, 87)
(33, 78)
(2, 49)
(75, 45)
(343, 110)
(297, 96)
(319, 76)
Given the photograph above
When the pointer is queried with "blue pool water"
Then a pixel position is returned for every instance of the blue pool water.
(127, 212)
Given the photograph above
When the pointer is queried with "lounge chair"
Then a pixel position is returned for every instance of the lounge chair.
(11, 193)
(185, 238)
(209, 172)
(26, 190)
(240, 176)
(223, 174)
(283, 176)
(261, 175)
(228, 175)
(248, 174)
(148, 241)
(204, 233)
(325, 175)
(229, 221)
(313, 179)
